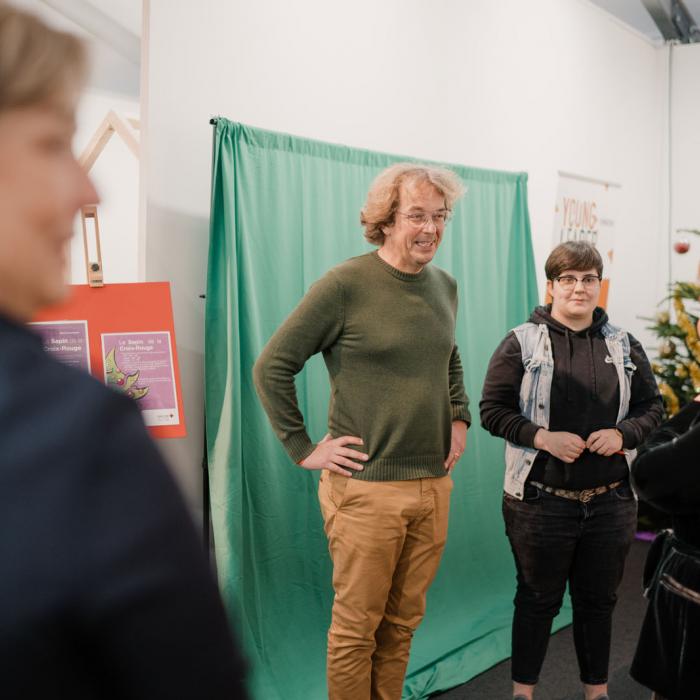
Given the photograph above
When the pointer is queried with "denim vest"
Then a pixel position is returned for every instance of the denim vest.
(536, 388)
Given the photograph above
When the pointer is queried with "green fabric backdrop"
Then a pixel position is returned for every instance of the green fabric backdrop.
(284, 210)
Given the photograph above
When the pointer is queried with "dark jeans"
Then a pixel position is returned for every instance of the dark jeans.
(555, 540)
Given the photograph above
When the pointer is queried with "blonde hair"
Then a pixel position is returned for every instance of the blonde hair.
(37, 64)
(383, 196)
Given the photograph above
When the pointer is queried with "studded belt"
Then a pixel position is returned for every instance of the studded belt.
(584, 495)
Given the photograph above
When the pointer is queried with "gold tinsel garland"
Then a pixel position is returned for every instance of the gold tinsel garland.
(694, 369)
(687, 326)
(670, 398)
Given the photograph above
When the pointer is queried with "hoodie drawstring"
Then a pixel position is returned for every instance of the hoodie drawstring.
(591, 364)
(567, 369)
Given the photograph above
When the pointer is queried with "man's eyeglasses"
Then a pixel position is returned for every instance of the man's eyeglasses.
(421, 218)
(569, 281)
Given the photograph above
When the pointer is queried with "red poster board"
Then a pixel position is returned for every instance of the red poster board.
(128, 310)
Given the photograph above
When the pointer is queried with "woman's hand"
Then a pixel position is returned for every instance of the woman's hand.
(331, 453)
(605, 442)
(564, 446)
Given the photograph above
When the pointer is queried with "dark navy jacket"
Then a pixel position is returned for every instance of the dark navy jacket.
(105, 591)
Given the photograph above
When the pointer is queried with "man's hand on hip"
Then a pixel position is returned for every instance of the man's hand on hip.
(457, 445)
(331, 453)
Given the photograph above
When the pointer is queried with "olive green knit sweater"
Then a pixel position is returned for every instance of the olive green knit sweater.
(387, 338)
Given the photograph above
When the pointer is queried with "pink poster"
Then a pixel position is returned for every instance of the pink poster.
(66, 341)
(140, 365)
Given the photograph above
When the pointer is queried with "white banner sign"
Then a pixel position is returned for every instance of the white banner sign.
(586, 210)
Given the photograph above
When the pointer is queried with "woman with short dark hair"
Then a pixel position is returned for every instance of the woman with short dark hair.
(573, 396)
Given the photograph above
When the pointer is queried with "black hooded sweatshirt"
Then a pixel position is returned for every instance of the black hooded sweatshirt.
(585, 397)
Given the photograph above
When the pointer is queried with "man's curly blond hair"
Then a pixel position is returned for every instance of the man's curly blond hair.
(383, 196)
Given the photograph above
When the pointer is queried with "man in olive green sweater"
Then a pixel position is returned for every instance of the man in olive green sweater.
(397, 424)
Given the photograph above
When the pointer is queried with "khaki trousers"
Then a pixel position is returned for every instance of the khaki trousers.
(385, 539)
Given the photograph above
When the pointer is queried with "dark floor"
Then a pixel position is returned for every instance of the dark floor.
(559, 679)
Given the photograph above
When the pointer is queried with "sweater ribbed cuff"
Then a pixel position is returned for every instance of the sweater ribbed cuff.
(298, 446)
(526, 434)
(461, 412)
(628, 437)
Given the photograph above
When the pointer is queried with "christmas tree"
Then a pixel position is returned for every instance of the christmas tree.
(677, 366)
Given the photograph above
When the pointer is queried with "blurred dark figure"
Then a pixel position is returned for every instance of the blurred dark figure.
(105, 591)
(667, 475)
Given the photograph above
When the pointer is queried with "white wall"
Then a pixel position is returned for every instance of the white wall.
(541, 86)
(685, 152)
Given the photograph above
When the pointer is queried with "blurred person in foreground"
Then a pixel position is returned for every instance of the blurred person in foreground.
(666, 474)
(105, 591)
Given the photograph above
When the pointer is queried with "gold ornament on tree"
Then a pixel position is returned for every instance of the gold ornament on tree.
(681, 371)
(667, 349)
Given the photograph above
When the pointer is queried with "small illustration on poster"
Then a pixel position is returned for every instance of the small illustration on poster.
(140, 365)
(67, 341)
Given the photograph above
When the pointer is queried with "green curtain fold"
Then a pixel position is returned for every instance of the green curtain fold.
(285, 210)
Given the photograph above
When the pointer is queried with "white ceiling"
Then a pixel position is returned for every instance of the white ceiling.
(127, 13)
(113, 30)
(634, 14)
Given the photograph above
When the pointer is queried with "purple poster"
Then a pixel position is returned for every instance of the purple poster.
(140, 365)
(67, 341)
